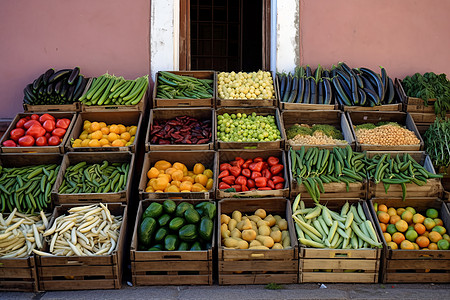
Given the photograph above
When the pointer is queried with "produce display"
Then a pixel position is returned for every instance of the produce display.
(86, 231)
(241, 127)
(174, 178)
(260, 231)
(27, 189)
(405, 228)
(436, 139)
(314, 167)
(38, 130)
(429, 86)
(317, 134)
(401, 169)
(15, 242)
(55, 87)
(321, 227)
(95, 178)
(172, 86)
(99, 134)
(172, 227)
(242, 85)
(180, 130)
(385, 133)
(242, 175)
(112, 90)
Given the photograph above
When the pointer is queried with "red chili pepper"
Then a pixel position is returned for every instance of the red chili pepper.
(277, 179)
(237, 187)
(256, 166)
(224, 166)
(235, 171)
(224, 186)
(242, 180)
(279, 186)
(229, 179)
(247, 163)
(270, 184)
(272, 160)
(251, 183)
(35, 117)
(266, 173)
(49, 125)
(261, 182)
(54, 140)
(46, 117)
(36, 131)
(26, 141)
(224, 173)
(21, 122)
(246, 172)
(9, 143)
(16, 134)
(264, 189)
(63, 123)
(255, 175)
(244, 188)
(276, 169)
(258, 159)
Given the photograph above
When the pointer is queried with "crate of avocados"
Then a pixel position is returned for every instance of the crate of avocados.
(94, 177)
(336, 245)
(173, 242)
(105, 131)
(384, 131)
(412, 175)
(72, 261)
(251, 173)
(253, 89)
(181, 129)
(249, 128)
(417, 244)
(184, 89)
(317, 128)
(48, 135)
(178, 174)
(246, 257)
(341, 173)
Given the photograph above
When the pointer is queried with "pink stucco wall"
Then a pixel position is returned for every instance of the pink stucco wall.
(404, 36)
(97, 35)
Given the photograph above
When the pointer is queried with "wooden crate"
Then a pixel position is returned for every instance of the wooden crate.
(332, 189)
(404, 119)
(73, 158)
(413, 104)
(340, 265)
(74, 107)
(18, 274)
(189, 158)
(329, 117)
(200, 114)
(246, 102)
(409, 266)
(264, 111)
(127, 118)
(38, 149)
(207, 102)
(68, 273)
(169, 267)
(225, 156)
(433, 188)
(245, 266)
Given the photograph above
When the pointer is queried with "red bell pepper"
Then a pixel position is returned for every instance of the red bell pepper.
(253, 189)
(276, 169)
(258, 159)
(235, 171)
(270, 184)
(279, 186)
(242, 180)
(246, 172)
(59, 132)
(251, 183)
(272, 160)
(63, 123)
(238, 162)
(224, 173)
(237, 187)
(35, 117)
(49, 125)
(261, 182)
(277, 179)
(30, 123)
(244, 188)
(256, 166)
(224, 186)
(255, 175)
(247, 163)
(265, 165)
(36, 131)
(229, 179)
(46, 117)
(266, 173)
(224, 166)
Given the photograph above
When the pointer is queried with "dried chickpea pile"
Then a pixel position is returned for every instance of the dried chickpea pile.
(317, 138)
(254, 85)
(387, 135)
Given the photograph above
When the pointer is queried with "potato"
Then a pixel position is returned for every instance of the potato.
(232, 224)
(248, 235)
(224, 219)
(255, 243)
(272, 221)
(262, 223)
(282, 224)
(277, 246)
(276, 236)
(264, 230)
(260, 213)
(242, 245)
(254, 218)
(236, 233)
(265, 240)
(237, 215)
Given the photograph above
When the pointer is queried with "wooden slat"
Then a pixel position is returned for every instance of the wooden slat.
(288, 266)
(17, 286)
(353, 264)
(64, 285)
(172, 280)
(312, 253)
(385, 107)
(25, 273)
(200, 266)
(78, 271)
(418, 277)
(225, 279)
(408, 264)
(338, 277)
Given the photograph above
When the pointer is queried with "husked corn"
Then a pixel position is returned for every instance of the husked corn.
(387, 135)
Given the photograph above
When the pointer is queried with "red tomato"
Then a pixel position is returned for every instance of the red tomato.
(59, 132)
(63, 123)
(35, 117)
(54, 140)
(41, 141)
(16, 134)
(26, 141)
(30, 123)
(36, 131)
(21, 122)
(9, 143)
(223, 186)
(275, 169)
(49, 125)
(46, 117)
(261, 182)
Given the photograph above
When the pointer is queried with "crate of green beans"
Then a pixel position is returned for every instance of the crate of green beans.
(94, 177)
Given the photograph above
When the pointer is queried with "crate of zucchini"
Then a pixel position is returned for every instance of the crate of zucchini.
(406, 265)
(84, 249)
(173, 242)
(337, 242)
(94, 177)
(184, 89)
(322, 173)
(257, 243)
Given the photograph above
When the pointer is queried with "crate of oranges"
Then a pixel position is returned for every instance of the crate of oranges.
(105, 131)
(181, 175)
(415, 235)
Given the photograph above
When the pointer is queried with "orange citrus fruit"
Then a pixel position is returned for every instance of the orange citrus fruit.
(383, 217)
(118, 143)
(401, 225)
(114, 128)
(394, 219)
(104, 130)
(125, 135)
(434, 236)
(432, 246)
(387, 237)
(419, 228)
(418, 218)
(98, 135)
(406, 245)
(94, 143)
(94, 126)
(422, 241)
(112, 137)
(398, 237)
(383, 207)
(162, 165)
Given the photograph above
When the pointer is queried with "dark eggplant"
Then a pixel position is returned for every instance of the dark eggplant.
(328, 91)
(354, 90)
(390, 92)
(301, 90)
(341, 96)
(294, 90)
(287, 90)
(313, 96)
(73, 75)
(47, 75)
(320, 92)
(375, 78)
(307, 93)
(372, 97)
(59, 75)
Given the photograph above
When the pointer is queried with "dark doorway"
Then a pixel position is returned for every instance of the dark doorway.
(224, 35)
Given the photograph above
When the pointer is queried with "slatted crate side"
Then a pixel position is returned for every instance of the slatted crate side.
(329, 117)
(73, 158)
(83, 272)
(413, 104)
(74, 107)
(362, 117)
(127, 118)
(188, 158)
(38, 149)
(226, 156)
(18, 274)
(170, 113)
(260, 111)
